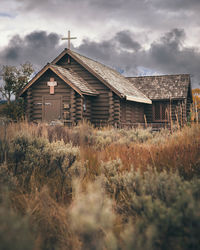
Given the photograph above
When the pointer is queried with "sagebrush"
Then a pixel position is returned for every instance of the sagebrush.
(87, 188)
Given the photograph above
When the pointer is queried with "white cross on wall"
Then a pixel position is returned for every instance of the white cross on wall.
(52, 84)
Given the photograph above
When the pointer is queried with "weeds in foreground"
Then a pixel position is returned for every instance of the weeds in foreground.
(85, 188)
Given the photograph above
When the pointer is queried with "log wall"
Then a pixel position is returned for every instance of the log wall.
(97, 110)
(177, 112)
(37, 92)
(104, 109)
(131, 112)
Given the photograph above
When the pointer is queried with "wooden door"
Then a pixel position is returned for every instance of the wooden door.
(52, 109)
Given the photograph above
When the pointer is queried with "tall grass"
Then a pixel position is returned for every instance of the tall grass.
(86, 188)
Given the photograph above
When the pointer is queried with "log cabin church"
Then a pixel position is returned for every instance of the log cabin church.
(73, 88)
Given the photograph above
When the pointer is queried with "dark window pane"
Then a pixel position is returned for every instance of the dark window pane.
(161, 111)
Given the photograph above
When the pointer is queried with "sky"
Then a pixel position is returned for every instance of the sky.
(135, 37)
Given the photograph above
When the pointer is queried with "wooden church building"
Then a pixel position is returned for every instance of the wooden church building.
(73, 88)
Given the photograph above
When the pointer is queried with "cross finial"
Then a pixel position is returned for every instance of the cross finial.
(68, 38)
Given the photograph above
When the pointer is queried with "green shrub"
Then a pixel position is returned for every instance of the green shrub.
(14, 110)
(134, 189)
(36, 162)
(162, 226)
(163, 209)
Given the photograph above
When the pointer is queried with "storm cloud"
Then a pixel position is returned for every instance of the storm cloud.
(157, 14)
(38, 47)
(123, 52)
(167, 55)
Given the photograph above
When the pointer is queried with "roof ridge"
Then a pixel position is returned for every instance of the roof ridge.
(158, 75)
(97, 62)
(124, 88)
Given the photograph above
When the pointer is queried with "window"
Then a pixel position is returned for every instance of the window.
(160, 111)
(84, 105)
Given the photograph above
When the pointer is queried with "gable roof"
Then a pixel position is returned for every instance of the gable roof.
(68, 76)
(163, 86)
(76, 80)
(111, 78)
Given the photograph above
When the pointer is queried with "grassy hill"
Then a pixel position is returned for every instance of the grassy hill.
(86, 188)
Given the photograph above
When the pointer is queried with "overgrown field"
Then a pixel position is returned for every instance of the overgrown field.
(85, 188)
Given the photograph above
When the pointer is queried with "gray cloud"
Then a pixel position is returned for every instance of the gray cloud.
(170, 56)
(38, 47)
(167, 55)
(177, 4)
(115, 4)
(140, 13)
(126, 41)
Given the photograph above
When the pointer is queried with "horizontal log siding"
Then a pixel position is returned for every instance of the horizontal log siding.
(98, 112)
(148, 113)
(40, 90)
(111, 108)
(72, 106)
(29, 105)
(178, 112)
(116, 110)
(79, 108)
(25, 106)
(87, 103)
(131, 112)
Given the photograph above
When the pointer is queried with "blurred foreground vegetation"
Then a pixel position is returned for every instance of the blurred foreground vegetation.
(86, 188)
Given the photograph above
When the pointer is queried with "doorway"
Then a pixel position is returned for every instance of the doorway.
(52, 109)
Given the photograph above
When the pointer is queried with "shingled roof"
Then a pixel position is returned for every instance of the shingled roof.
(111, 78)
(163, 86)
(68, 76)
(76, 80)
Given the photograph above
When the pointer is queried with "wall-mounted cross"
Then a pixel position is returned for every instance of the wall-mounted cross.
(69, 38)
(51, 84)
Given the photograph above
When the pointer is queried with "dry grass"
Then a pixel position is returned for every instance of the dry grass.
(84, 188)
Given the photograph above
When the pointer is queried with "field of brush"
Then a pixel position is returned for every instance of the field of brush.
(85, 188)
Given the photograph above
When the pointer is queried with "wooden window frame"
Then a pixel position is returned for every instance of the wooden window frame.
(161, 104)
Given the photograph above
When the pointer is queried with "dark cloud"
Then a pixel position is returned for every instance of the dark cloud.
(126, 41)
(116, 4)
(37, 47)
(177, 4)
(131, 6)
(168, 55)
(140, 13)
(168, 48)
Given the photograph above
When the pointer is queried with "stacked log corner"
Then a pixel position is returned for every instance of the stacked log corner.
(29, 108)
(73, 107)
